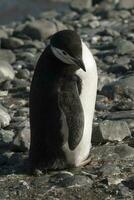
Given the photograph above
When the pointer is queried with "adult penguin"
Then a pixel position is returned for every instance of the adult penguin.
(62, 101)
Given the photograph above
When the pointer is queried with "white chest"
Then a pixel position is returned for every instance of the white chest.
(87, 97)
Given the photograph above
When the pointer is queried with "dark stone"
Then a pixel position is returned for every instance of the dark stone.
(129, 182)
(11, 43)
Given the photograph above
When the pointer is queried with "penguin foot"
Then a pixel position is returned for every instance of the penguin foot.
(85, 162)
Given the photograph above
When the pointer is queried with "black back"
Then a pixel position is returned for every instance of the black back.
(56, 114)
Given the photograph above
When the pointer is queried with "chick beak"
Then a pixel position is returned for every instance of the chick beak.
(80, 63)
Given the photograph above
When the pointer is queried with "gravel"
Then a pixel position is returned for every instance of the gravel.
(107, 28)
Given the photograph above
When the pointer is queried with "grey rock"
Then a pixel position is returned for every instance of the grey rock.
(28, 57)
(94, 24)
(19, 84)
(4, 117)
(117, 69)
(110, 169)
(6, 137)
(123, 87)
(126, 4)
(21, 142)
(59, 25)
(123, 46)
(39, 29)
(122, 60)
(110, 131)
(67, 180)
(6, 71)
(34, 44)
(129, 114)
(23, 74)
(3, 34)
(7, 55)
(103, 80)
(79, 5)
(124, 151)
(12, 43)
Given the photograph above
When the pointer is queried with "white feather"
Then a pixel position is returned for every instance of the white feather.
(88, 98)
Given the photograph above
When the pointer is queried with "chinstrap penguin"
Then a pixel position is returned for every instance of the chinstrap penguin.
(62, 101)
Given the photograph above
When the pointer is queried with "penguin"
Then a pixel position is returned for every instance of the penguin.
(62, 102)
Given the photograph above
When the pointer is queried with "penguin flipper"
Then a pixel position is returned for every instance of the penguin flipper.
(73, 111)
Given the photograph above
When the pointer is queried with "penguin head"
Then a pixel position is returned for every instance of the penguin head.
(66, 45)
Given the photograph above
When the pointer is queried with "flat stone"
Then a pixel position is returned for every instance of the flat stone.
(110, 131)
(7, 55)
(4, 117)
(66, 180)
(129, 114)
(79, 5)
(6, 71)
(11, 43)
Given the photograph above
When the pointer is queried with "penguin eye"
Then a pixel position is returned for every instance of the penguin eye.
(64, 53)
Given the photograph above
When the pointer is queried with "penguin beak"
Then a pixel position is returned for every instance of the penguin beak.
(80, 63)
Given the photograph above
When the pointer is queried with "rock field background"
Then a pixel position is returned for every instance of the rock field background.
(108, 29)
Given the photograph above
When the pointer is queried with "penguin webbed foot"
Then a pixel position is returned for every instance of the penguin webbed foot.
(85, 162)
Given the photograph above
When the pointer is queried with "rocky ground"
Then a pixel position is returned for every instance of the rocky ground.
(108, 29)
